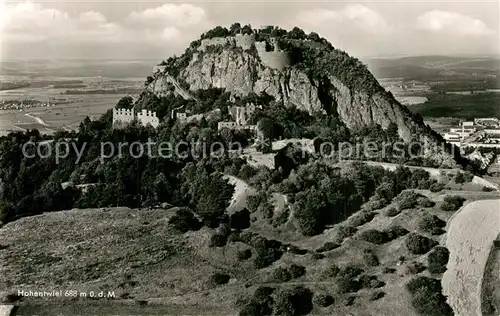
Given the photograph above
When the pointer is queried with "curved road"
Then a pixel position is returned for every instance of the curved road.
(470, 235)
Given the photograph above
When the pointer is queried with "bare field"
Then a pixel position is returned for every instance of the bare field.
(469, 238)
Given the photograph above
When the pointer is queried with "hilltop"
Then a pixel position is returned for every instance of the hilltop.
(295, 69)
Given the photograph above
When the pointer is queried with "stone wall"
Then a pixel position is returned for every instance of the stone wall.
(244, 41)
(275, 59)
(146, 117)
(214, 41)
(123, 116)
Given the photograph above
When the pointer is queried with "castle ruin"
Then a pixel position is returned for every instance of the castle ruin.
(275, 59)
(123, 117)
(240, 115)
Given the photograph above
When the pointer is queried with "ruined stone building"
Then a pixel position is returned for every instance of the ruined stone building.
(123, 117)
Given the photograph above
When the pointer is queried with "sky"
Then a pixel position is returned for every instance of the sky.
(127, 29)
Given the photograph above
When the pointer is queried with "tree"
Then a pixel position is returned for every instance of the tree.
(323, 300)
(266, 127)
(427, 297)
(184, 220)
(313, 37)
(417, 244)
(310, 208)
(297, 33)
(240, 219)
(438, 259)
(235, 28)
(149, 79)
(247, 29)
(125, 103)
(452, 203)
(431, 224)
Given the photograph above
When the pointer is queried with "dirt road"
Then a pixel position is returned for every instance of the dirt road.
(469, 238)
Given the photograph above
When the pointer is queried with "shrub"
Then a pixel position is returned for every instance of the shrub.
(437, 231)
(332, 271)
(268, 251)
(452, 203)
(415, 267)
(281, 274)
(296, 250)
(252, 309)
(376, 295)
(392, 212)
(375, 203)
(323, 300)
(260, 304)
(423, 283)
(218, 240)
(427, 298)
(327, 246)
(436, 187)
(184, 220)
(240, 220)
(370, 258)
(265, 257)
(318, 256)
(371, 282)
(350, 271)
(388, 270)
(431, 224)
(459, 178)
(463, 177)
(297, 271)
(283, 304)
(488, 189)
(349, 300)
(219, 278)
(348, 285)
(425, 202)
(407, 199)
(395, 232)
(362, 218)
(417, 244)
(346, 231)
(244, 254)
(297, 301)
(437, 259)
(374, 236)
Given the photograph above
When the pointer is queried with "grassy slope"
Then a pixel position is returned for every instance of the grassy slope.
(134, 252)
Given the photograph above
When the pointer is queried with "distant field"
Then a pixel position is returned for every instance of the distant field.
(460, 106)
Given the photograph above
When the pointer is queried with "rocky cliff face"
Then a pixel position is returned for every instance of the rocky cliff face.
(241, 72)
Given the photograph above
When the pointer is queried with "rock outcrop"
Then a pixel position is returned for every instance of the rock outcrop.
(242, 71)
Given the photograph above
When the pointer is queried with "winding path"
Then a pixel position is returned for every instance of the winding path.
(469, 238)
